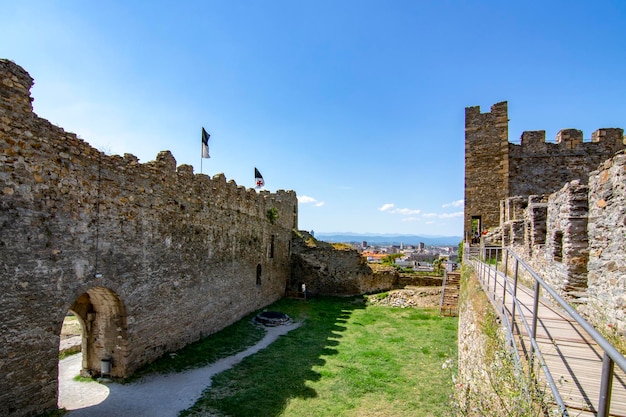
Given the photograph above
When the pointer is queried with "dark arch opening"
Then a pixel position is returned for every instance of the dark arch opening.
(258, 274)
(103, 319)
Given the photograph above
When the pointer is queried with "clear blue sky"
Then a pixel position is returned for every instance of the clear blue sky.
(357, 105)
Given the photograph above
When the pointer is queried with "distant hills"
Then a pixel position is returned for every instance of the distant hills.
(375, 239)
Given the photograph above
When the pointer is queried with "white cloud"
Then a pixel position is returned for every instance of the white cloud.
(411, 219)
(457, 203)
(305, 199)
(389, 207)
(406, 212)
(443, 215)
(451, 215)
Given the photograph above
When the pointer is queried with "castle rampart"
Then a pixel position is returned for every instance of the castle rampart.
(149, 256)
(540, 167)
(496, 169)
(607, 245)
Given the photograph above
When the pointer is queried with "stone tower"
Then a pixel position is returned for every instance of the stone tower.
(486, 166)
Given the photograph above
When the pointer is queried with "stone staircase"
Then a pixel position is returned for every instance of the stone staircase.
(449, 304)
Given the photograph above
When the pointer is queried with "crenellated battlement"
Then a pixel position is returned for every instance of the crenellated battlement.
(571, 139)
(497, 116)
(38, 140)
(152, 255)
(496, 168)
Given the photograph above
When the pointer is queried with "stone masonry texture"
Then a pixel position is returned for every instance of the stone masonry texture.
(326, 270)
(607, 245)
(150, 256)
(486, 164)
(566, 216)
(496, 169)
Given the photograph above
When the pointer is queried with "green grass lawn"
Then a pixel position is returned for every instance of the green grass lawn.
(347, 359)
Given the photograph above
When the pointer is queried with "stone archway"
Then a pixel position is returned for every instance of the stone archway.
(103, 317)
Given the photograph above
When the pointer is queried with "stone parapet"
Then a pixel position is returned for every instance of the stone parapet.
(607, 245)
(150, 256)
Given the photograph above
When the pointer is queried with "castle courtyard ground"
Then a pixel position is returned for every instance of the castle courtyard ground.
(152, 396)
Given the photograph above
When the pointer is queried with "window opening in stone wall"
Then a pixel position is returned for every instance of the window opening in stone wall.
(272, 246)
(558, 246)
(258, 274)
(476, 229)
(527, 240)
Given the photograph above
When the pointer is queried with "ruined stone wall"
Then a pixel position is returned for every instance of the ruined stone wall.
(486, 164)
(576, 240)
(535, 224)
(326, 270)
(165, 255)
(512, 220)
(607, 245)
(552, 238)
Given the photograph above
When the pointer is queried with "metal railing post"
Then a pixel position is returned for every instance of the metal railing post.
(506, 274)
(488, 267)
(495, 275)
(606, 385)
(534, 354)
(533, 336)
(515, 269)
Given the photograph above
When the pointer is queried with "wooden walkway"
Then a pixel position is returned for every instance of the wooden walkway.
(573, 357)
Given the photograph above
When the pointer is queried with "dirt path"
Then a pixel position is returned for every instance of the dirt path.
(152, 396)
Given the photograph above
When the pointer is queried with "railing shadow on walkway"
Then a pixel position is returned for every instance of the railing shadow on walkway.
(548, 334)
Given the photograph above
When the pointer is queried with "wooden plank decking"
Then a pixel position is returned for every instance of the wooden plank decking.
(572, 356)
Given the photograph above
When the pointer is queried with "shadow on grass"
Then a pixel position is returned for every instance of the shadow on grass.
(263, 384)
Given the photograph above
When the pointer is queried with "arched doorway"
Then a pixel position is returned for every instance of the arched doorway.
(103, 318)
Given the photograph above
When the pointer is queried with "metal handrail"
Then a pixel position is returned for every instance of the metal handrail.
(535, 350)
(611, 355)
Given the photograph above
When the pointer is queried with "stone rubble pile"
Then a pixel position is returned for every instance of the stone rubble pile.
(423, 297)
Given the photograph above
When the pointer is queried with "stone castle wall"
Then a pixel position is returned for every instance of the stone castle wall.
(538, 167)
(496, 169)
(150, 256)
(607, 245)
(486, 164)
(326, 270)
(552, 236)
(574, 239)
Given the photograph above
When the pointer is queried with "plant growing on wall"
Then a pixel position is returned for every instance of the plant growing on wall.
(272, 215)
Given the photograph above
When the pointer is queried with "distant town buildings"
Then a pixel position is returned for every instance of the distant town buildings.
(419, 258)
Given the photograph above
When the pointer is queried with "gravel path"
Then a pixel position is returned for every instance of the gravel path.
(152, 396)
